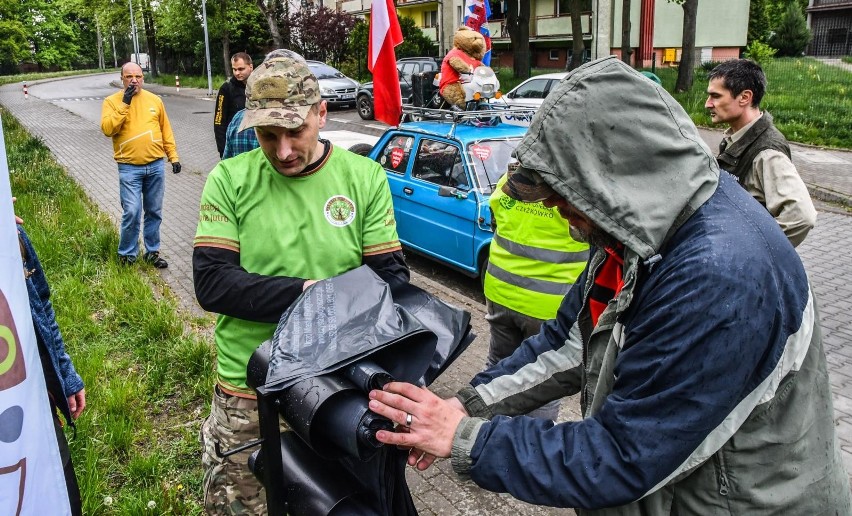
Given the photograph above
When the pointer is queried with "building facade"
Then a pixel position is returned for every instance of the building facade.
(830, 22)
(655, 34)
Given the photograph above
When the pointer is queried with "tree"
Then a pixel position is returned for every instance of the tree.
(270, 11)
(320, 33)
(626, 49)
(576, 35)
(758, 21)
(150, 35)
(414, 41)
(686, 70)
(14, 36)
(518, 25)
(53, 40)
(792, 34)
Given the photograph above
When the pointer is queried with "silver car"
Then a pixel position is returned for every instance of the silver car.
(531, 92)
(335, 88)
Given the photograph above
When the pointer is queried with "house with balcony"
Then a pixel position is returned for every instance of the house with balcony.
(655, 34)
(830, 22)
(427, 14)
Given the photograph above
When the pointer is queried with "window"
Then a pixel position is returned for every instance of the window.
(430, 19)
(554, 55)
(440, 163)
(563, 7)
(394, 157)
(532, 89)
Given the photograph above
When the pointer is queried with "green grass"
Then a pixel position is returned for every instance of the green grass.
(148, 370)
(811, 102)
(8, 79)
(847, 59)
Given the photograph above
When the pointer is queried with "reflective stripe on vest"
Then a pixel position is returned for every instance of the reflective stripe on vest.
(533, 260)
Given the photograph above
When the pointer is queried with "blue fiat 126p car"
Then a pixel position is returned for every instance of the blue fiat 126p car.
(442, 171)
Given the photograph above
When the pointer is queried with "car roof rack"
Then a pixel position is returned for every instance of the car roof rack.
(514, 116)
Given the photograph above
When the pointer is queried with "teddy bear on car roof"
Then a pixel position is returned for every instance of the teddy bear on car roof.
(467, 53)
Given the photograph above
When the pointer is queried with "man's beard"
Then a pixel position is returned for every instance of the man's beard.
(596, 237)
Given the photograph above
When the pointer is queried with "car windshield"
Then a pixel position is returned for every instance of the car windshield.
(490, 160)
(323, 71)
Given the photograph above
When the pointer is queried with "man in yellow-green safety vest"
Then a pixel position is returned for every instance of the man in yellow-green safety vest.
(532, 264)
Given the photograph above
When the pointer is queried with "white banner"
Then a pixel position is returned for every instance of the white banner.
(31, 476)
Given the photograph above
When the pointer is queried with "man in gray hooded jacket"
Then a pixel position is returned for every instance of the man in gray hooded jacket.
(692, 337)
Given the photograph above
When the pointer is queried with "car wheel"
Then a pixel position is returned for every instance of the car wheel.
(361, 149)
(365, 107)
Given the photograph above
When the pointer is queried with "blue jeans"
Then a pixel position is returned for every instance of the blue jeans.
(141, 188)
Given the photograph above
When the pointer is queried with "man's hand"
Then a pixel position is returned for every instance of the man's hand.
(128, 94)
(433, 421)
(176, 167)
(76, 403)
(18, 220)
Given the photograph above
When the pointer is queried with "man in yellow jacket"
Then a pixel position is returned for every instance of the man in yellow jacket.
(142, 136)
(532, 264)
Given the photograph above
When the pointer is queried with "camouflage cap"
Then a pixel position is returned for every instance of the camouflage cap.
(525, 185)
(280, 93)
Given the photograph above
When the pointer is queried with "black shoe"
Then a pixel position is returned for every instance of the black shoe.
(126, 260)
(155, 260)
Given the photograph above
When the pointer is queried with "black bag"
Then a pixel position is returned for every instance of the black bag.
(342, 338)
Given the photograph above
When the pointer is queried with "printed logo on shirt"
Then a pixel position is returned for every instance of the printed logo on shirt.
(507, 202)
(339, 211)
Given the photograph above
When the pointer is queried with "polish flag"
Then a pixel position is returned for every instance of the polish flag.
(385, 34)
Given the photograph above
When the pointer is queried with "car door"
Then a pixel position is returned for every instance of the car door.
(441, 226)
(406, 71)
(529, 94)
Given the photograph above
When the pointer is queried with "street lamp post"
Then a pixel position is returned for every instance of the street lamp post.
(207, 48)
(133, 33)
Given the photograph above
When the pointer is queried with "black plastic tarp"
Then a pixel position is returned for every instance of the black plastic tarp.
(340, 320)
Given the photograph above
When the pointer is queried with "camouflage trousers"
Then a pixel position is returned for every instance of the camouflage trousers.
(230, 487)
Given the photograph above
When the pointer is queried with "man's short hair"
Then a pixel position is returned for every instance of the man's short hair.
(280, 92)
(739, 75)
(241, 55)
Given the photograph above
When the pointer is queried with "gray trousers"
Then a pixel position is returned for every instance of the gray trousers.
(508, 329)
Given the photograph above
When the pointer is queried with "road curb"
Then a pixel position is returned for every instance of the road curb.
(828, 195)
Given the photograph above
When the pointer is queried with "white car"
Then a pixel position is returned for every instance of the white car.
(531, 92)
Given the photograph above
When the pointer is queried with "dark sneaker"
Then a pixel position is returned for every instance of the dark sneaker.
(155, 260)
(126, 260)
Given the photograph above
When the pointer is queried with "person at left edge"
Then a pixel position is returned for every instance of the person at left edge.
(231, 98)
(65, 388)
(141, 135)
(273, 221)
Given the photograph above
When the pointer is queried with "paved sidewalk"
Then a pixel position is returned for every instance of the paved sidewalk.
(80, 146)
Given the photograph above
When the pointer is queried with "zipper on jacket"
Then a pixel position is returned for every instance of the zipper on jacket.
(590, 282)
(724, 486)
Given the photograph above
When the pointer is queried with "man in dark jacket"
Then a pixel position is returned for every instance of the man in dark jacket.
(754, 150)
(231, 97)
(692, 337)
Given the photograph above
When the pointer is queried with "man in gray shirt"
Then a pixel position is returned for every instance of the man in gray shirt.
(754, 150)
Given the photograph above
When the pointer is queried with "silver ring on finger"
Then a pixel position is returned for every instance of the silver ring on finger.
(408, 419)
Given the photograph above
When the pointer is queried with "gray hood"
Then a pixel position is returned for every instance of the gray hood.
(621, 150)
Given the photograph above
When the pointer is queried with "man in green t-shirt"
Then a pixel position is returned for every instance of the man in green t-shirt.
(272, 222)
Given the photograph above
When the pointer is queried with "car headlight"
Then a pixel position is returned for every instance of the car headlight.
(328, 91)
